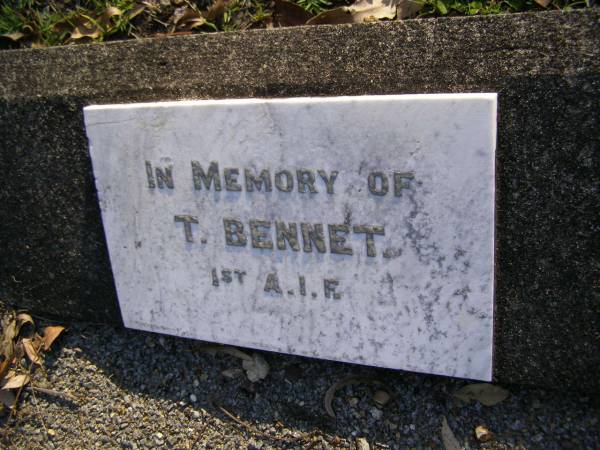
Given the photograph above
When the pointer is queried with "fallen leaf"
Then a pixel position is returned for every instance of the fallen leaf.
(52, 392)
(136, 11)
(215, 11)
(232, 351)
(333, 16)
(85, 28)
(188, 19)
(7, 398)
(31, 352)
(4, 366)
(257, 368)
(110, 12)
(368, 11)
(448, 437)
(9, 332)
(483, 434)
(485, 393)
(23, 319)
(289, 14)
(408, 8)
(152, 5)
(232, 373)
(543, 3)
(37, 341)
(16, 382)
(362, 444)
(50, 335)
(62, 27)
(19, 351)
(15, 36)
(329, 395)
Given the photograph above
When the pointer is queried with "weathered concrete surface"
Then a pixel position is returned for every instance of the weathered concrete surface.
(545, 67)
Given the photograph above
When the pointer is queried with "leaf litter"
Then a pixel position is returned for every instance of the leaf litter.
(20, 339)
(448, 438)
(255, 365)
(41, 24)
(485, 393)
(344, 382)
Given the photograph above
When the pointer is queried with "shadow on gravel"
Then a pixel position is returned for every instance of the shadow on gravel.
(176, 375)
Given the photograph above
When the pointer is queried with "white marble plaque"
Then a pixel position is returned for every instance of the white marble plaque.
(357, 229)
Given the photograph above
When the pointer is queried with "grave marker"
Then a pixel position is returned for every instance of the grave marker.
(358, 229)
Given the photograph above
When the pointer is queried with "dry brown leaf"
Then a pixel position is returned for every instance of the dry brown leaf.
(24, 319)
(232, 373)
(368, 11)
(232, 351)
(37, 341)
(109, 13)
(85, 28)
(328, 400)
(332, 16)
(7, 398)
(31, 352)
(485, 393)
(15, 36)
(112, 11)
(289, 14)
(50, 335)
(408, 8)
(448, 438)
(25, 325)
(61, 27)
(16, 382)
(19, 351)
(188, 19)
(543, 3)
(215, 11)
(4, 367)
(82, 32)
(52, 392)
(9, 332)
(483, 434)
(257, 368)
(136, 11)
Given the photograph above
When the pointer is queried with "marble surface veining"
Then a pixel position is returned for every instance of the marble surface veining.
(358, 229)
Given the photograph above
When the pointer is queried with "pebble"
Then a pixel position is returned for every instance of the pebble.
(128, 415)
(381, 398)
(362, 444)
(483, 434)
(376, 413)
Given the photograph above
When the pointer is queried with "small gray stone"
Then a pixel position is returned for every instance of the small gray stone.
(362, 444)
(376, 413)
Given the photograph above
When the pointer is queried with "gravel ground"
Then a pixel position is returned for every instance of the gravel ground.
(134, 389)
